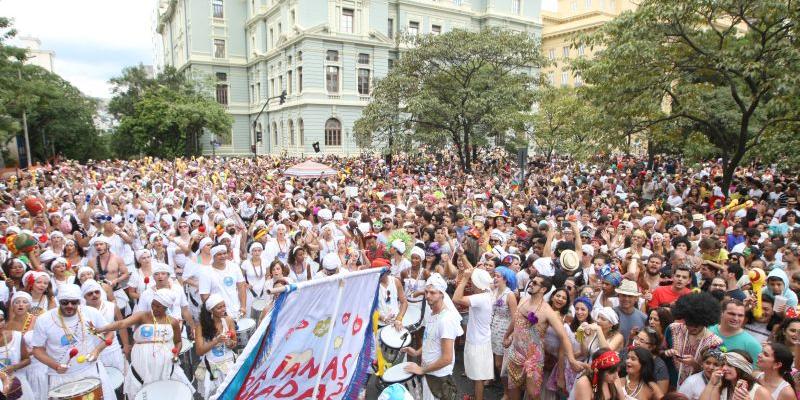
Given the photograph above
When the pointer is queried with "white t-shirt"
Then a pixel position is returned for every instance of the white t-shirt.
(693, 386)
(398, 267)
(444, 325)
(479, 329)
(223, 282)
(49, 333)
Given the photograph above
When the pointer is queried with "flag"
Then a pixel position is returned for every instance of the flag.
(317, 342)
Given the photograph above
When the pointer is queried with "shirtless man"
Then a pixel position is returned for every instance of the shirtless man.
(533, 318)
(109, 266)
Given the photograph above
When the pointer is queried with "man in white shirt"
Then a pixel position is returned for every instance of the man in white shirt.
(478, 356)
(224, 278)
(62, 340)
(438, 352)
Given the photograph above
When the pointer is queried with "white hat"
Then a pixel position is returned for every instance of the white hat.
(648, 219)
(588, 250)
(607, 313)
(325, 214)
(709, 224)
(205, 242)
(69, 291)
(633, 205)
(399, 245)
(569, 260)
(166, 297)
(544, 266)
(213, 300)
(218, 249)
(628, 287)
(416, 250)
(160, 267)
(481, 279)
(89, 286)
(331, 262)
(681, 229)
(21, 294)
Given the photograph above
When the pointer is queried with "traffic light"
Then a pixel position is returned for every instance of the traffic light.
(282, 98)
(258, 136)
(316, 147)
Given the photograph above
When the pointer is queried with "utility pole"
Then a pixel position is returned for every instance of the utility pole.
(256, 137)
(25, 127)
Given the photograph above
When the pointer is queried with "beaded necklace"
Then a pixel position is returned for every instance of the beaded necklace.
(68, 332)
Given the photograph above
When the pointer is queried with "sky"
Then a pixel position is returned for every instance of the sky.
(94, 39)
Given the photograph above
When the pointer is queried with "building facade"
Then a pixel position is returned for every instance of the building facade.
(562, 27)
(326, 55)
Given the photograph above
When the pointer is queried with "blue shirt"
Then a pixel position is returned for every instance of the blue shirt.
(741, 341)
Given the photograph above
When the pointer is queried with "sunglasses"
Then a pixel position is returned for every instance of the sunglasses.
(68, 302)
(103, 218)
(94, 293)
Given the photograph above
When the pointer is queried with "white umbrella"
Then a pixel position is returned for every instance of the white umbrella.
(309, 170)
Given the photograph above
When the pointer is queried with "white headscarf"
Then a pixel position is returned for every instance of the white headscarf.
(436, 281)
(213, 300)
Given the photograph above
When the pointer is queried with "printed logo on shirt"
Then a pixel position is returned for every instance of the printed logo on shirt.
(147, 331)
(65, 341)
(218, 351)
(228, 281)
(5, 362)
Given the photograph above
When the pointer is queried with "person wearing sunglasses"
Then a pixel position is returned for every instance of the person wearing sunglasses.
(112, 356)
(69, 326)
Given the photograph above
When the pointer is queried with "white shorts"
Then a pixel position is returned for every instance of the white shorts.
(479, 361)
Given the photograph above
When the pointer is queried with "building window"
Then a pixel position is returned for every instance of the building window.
(581, 50)
(219, 9)
(282, 83)
(289, 60)
(258, 91)
(516, 6)
(332, 79)
(391, 63)
(332, 55)
(565, 51)
(390, 32)
(333, 132)
(457, 2)
(299, 56)
(219, 48)
(259, 132)
(347, 20)
(436, 29)
(363, 81)
(564, 78)
(275, 134)
(551, 54)
(289, 82)
(222, 88)
(300, 131)
(413, 27)
(578, 80)
(280, 28)
(291, 133)
(574, 6)
(252, 93)
(588, 3)
(551, 77)
(272, 87)
(363, 58)
(293, 17)
(299, 79)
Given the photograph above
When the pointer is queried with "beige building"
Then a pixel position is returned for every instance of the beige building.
(561, 28)
(37, 55)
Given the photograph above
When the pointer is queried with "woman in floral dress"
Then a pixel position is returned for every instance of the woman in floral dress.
(505, 305)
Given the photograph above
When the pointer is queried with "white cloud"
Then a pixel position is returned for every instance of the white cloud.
(92, 39)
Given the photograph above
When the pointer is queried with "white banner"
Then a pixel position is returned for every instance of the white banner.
(318, 344)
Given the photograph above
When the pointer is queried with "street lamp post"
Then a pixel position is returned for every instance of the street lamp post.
(281, 99)
(25, 127)
(214, 144)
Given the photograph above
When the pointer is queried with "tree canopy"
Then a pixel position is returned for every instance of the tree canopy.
(163, 116)
(726, 71)
(460, 88)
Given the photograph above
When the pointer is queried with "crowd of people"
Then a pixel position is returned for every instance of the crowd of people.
(606, 280)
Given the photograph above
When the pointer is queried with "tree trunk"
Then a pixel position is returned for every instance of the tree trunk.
(651, 154)
(469, 152)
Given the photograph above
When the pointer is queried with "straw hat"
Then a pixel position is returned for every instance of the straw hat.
(628, 287)
(569, 260)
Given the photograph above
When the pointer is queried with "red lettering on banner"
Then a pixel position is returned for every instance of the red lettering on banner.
(357, 324)
(303, 324)
(287, 390)
(311, 368)
(293, 370)
(339, 390)
(331, 367)
(281, 366)
(345, 318)
(344, 363)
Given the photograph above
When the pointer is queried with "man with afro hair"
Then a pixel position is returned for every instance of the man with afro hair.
(688, 339)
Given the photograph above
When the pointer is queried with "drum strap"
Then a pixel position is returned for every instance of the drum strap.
(248, 284)
(208, 369)
(138, 377)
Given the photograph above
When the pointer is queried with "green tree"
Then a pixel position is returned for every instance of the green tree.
(10, 58)
(565, 123)
(727, 69)
(461, 88)
(163, 116)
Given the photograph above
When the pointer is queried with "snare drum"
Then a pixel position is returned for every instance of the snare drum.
(397, 374)
(244, 328)
(413, 315)
(257, 309)
(392, 341)
(115, 377)
(163, 389)
(84, 389)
